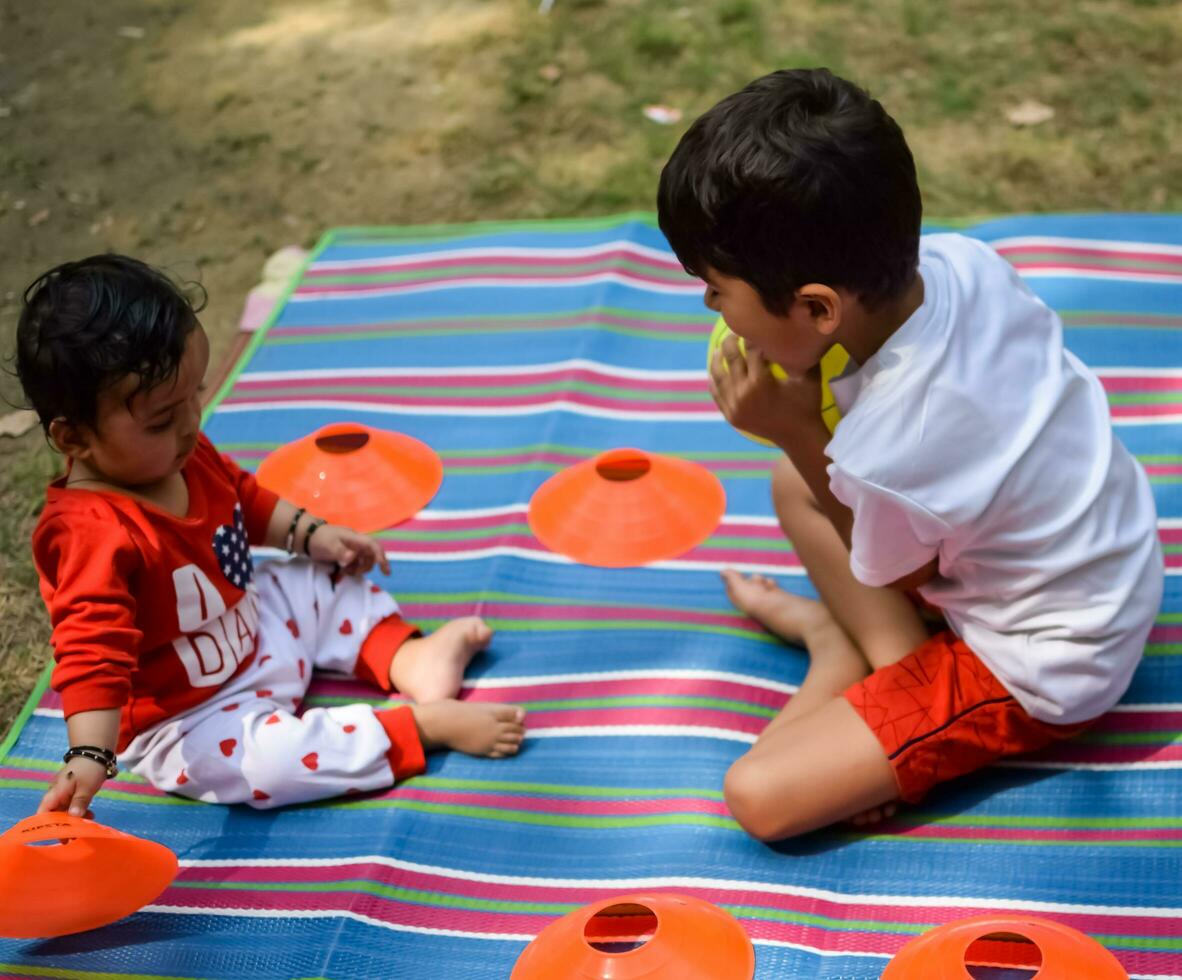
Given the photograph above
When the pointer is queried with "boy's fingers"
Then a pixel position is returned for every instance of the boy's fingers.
(717, 368)
(737, 366)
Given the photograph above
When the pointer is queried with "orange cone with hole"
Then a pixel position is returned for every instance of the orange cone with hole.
(627, 507)
(1014, 941)
(640, 937)
(89, 876)
(365, 478)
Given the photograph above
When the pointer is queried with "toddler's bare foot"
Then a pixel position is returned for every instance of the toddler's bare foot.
(431, 668)
(789, 616)
(876, 814)
(478, 727)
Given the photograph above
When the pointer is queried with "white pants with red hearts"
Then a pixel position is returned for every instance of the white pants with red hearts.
(245, 744)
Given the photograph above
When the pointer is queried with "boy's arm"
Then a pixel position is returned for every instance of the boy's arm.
(805, 446)
(921, 576)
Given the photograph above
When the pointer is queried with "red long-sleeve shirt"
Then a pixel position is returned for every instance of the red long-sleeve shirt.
(151, 613)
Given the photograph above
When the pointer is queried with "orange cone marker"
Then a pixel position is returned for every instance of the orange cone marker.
(365, 478)
(92, 876)
(1012, 941)
(640, 937)
(627, 507)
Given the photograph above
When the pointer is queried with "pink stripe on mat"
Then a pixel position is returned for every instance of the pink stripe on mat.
(491, 380)
(506, 278)
(575, 896)
(606, 718)
(492, 257)
(1166, 258)
(620, 404)
(405, 912)
(499, 324)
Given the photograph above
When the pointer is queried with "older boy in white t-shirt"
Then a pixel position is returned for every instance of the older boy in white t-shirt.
(975, 471)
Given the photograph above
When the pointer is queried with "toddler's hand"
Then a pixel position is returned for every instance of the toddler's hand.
(355, 553)
(74, 787)
(752, 400)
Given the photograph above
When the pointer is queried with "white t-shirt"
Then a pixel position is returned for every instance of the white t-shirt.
(973, 436)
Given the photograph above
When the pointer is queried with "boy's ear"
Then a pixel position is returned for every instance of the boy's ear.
(823, 305)
(70, 439)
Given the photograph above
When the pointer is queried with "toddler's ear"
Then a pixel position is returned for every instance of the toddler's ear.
(70, 439)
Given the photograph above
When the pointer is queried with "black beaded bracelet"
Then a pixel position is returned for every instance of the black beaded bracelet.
(289, 541)
(104, 757)
(312, 529)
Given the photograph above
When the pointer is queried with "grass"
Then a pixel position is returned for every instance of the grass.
(25, 467)
(338, 112)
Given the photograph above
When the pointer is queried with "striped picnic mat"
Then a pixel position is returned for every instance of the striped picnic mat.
(518, 349)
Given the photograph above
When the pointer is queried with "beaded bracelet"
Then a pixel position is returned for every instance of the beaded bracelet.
(312, 529)
(104, 757)
(291, 531)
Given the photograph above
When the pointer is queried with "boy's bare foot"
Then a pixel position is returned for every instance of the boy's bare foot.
(477, 728)
(431, 668)
(876, 814)
(789, 616)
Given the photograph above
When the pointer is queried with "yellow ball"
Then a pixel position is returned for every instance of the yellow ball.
(832, 364)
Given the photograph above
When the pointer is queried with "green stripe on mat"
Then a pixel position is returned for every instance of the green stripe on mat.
(21, 969)
(26, 711)
(410, 233)
(608, 263)
(599, 625)
(560, 789)
(534, 818)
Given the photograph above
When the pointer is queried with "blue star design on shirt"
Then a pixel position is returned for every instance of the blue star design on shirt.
(232, 550)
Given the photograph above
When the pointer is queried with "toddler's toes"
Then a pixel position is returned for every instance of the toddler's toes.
(510, 713)
(507, 746)
(480, 633)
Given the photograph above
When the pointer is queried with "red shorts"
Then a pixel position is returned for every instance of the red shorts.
(940, 713)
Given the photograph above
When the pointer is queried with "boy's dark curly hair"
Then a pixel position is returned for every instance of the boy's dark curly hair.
(87, 324)
(801, 177)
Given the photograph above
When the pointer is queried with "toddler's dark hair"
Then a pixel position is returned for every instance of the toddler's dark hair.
(87, 324)
(801, 177)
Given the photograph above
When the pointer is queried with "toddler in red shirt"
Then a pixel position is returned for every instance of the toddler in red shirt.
(173, 652)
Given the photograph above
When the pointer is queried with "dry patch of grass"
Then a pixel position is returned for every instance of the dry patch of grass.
(25, 467)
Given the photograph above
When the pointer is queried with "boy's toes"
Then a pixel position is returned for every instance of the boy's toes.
(876, 814)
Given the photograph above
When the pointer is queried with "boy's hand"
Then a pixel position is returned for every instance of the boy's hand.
(751, 399)
(355, 553)
(74, 787)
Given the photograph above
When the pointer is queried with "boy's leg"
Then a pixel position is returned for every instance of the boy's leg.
(834, 662)
(812, 771)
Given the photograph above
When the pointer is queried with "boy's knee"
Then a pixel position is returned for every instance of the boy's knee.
(745, 789)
